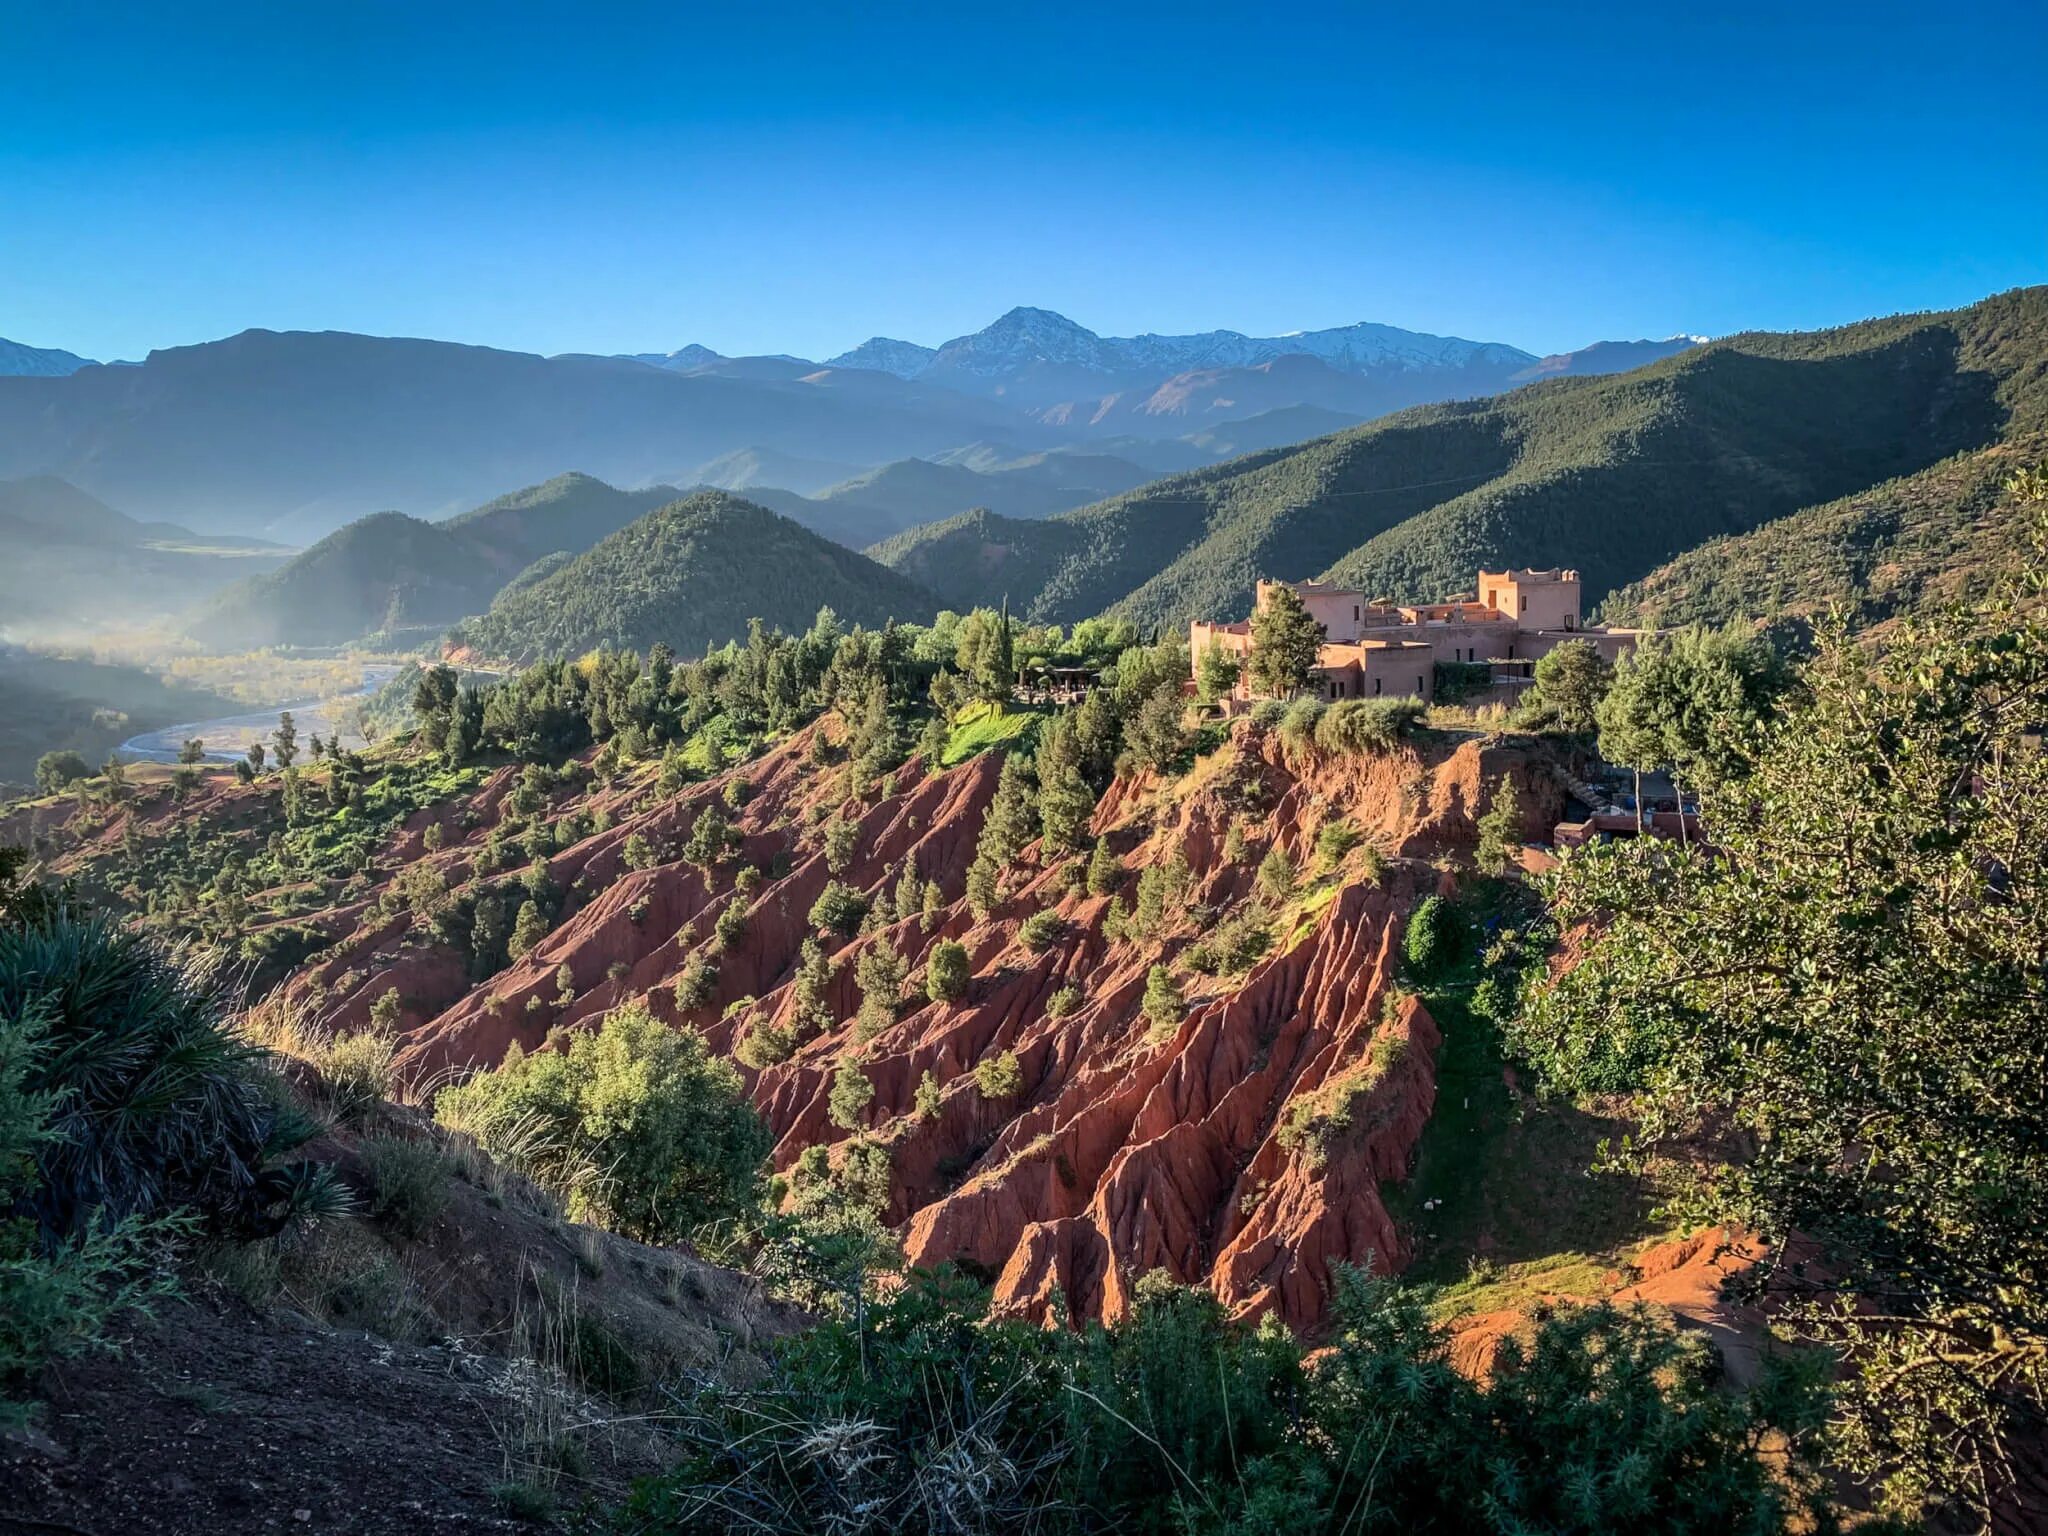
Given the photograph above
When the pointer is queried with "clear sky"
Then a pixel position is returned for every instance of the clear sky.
(762, 177)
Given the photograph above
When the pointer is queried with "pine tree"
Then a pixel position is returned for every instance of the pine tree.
(880, 972)
(1065, 801)
(1011, 817)
(1163, 1004)
(287, 738)
(1105, 869)
(852, 1093)
(1285, 644)
(528, 929)
(1500, 829)
(813, 985)
(946, 972)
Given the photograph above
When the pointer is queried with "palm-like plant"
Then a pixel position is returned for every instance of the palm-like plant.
(157, 1103)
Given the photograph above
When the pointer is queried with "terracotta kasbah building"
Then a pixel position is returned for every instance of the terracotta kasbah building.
(1376, 649)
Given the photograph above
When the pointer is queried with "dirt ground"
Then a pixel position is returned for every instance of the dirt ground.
(219, 1420)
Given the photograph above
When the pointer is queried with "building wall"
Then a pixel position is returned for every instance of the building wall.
(1533, 599)
(1400, 669)
(1340, 611)
(1391, 652)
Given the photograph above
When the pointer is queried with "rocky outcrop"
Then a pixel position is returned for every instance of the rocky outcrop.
(1241, 1146)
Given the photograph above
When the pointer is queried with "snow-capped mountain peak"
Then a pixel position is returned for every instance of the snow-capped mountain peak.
(885, 354)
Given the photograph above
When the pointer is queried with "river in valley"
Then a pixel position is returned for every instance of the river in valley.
(228, 737)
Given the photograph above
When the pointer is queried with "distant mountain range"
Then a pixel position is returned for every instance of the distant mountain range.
(1771, 470)
(23, 362)
(293, 434)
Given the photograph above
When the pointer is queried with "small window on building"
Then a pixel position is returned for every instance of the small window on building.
(1375, 685)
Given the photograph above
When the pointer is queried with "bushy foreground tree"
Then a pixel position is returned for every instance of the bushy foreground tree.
(634, 1124)
(920, 1416)
(1855, 980)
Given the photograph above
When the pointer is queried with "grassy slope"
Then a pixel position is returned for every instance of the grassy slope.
(1519, 1214)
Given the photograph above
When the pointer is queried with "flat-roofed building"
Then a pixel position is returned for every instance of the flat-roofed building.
(1375, 649)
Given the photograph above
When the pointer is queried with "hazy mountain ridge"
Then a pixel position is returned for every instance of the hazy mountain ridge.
(1613, 474)
(291, 434)
(20, 361)
(74, 564)
(301, 431)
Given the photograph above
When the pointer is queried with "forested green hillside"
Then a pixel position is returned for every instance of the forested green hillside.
(390, 571)
(691, 576)
(571, 512)
(1614, 475)
(1941, 535)
(966, 558)
(380, 572)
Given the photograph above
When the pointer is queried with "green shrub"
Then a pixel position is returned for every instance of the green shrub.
(1063, 1002)
(1298, 725)
(1367, 725)
(157, 1104)
(408, 1181)
(1276, 874)
(1234, 945)
(930, 1097)
(1233, 844)
(839, 909)
(1334, 841)
(1268, 713)
(731, 924)
(355, 1070)
(1041, 930)
(56, 1295)
(764, 1043)
(1000, 1076)
(947, 972)
(1434, 937)
(634, 1125)
(699, 979)
(1177, 1419)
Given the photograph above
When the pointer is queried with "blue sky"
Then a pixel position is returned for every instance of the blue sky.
(795, 178)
